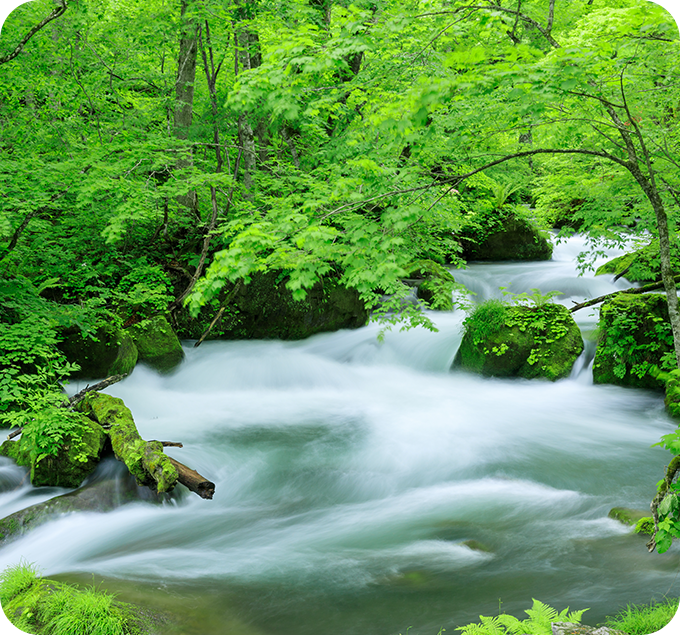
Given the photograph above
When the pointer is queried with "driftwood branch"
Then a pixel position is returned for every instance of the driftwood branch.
(193, 480)
(649, 287)
(105, 383)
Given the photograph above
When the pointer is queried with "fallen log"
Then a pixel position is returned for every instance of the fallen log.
(145, 459)
(193, 480)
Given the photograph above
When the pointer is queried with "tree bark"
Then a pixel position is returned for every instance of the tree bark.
(184, 95)
(193, 480)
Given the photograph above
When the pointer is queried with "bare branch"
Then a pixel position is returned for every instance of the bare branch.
(58, 11)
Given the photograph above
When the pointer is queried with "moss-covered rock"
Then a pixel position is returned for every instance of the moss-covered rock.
(641, 522)
(157, 343)
(265, 309)
(504, 236)
(78, 441)
(110, 351)
(519, 341)
(145, 459)
(435, 283)
(641, 265)
(633, 336)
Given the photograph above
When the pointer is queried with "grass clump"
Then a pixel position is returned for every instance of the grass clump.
(73, 612)
(45, 607)
(644, 619)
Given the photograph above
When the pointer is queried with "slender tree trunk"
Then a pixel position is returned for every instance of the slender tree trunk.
(250, 57)
(184, 95)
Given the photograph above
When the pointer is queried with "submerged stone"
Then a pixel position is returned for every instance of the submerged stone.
(101, 496)
(530, 342)
(634, 335)
(79, 449)
(157, 343)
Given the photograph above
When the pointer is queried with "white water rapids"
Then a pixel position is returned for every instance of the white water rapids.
(350, 472)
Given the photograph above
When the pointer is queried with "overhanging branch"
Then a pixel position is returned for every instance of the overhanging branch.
(58, 11)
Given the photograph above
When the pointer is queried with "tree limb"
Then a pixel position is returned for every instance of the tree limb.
(19, 47)
(649, 287)
(105, 383)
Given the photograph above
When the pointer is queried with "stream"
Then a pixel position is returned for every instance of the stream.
(349, 474)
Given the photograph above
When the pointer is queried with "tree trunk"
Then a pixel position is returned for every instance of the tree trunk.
(249, 57)
(184, 95)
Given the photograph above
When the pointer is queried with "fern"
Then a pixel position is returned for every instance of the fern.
(541, 616)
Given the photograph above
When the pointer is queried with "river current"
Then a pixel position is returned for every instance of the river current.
(351, 473)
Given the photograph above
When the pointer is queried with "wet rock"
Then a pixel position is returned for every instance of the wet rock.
(475, 545)
(506, 236)
(110, 351)
(567, 628)
(634, 335)
(157, 343)
(100, 496)
(641, 521)
(265, 309)
(78, 455)
(530, 342)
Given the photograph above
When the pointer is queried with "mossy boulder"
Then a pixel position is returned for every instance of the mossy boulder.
(109, 351)
(641, 521)
(79, 448)
(634, 334)
(157, 343)
(435, 283)
(520, 341)
(505, 235)
(641, 265)
(265, 309)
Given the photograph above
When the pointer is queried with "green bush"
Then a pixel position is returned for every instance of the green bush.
(644, 619)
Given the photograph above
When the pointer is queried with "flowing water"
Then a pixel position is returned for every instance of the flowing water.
(350, 473)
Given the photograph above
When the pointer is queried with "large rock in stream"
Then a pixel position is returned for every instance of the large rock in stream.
(80, 448)
(504, 235)
(520, 341)
(265, 309)
(157, 343)
(634, 335)
(108, 351)
(112, 491)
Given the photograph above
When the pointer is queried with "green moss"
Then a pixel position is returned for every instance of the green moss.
(475, 545)
(645, 525)
(519, 341)
(634, 336)
(625, 515)
(145, 460)
(157, 343)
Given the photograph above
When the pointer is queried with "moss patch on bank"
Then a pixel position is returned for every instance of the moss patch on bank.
(46, 607)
